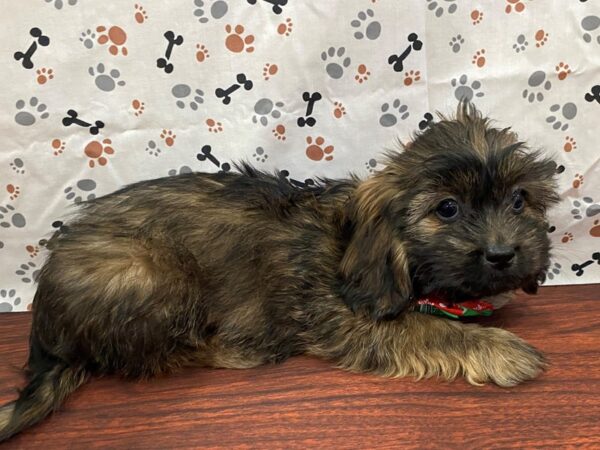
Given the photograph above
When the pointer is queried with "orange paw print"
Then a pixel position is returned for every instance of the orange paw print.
(363, 74)
(541, 37)
(58, 146)
(201, 53)
(269, 70)
(115, 36)
(595, 230)
(235, 40)
(33, 250)
(578, 181)
(476, 16)
(316, 151)
(563, 70)
(13, 191)
(285, 28)
(517, 5)
(339, 110)
(214, 126)
(138, 107)
(570, 144)
(140, 14)
(95, 150)
(168, 137)
(279, 132)
(479, 58)
(43, 75)
(567, 237)
(411, 76)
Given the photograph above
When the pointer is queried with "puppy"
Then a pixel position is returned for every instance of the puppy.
(237, 270)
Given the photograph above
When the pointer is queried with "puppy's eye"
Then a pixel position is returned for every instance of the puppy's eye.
(447, 210)
(518, 201)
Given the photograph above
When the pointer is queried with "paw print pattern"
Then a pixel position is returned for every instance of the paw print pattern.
(168, 137)
(479, 58)
(566, 238)
(585, 208)
(438, 6)
(260, 155)
(214, 126)
(180, 171)
(570, 144)
(317, 150)
(411, 77)
(140, 14)
(541, 37)
(8, 300)
(577, 181)
(563, 70)
(138, 107)
(218, 10)
(391, 113)
(10, 218)
(269, 70)
(58, 146)
(26, 116)
(13, 191)
(476, 16)
(201, 53)
(465, 91)
(236, 42)
(115, 36)
(183, 91)
(58, 4)
(285, 28)
(82, 191)
(18, 166)
(153, 149)
(96, 151)
(264, 108)
(339, 110)
(366, 26)
(370, 165)
(456, 43)
(537, 82)
(568, 112)
(554, 271)
(362, 74)
(279, 132)
(28, 272)
(514, 5)
(44, 75)
(590, 24)
(335, 68)
(106, 82)
(87, 38)
(521, 44)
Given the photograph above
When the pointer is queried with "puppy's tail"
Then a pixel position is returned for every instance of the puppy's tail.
(50, 382)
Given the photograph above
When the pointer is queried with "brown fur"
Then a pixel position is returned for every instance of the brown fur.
(237, 270)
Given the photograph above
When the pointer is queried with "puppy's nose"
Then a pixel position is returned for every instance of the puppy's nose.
(500, 256)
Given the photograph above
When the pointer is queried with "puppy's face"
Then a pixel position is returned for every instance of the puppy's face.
(473, 219)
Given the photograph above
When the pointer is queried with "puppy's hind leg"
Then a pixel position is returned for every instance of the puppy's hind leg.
(423, 346)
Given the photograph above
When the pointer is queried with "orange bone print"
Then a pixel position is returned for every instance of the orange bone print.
(236, 41)
(317, 150)
(96, 151)
(115, 36)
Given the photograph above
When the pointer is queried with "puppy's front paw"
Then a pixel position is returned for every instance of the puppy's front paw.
(499, 356)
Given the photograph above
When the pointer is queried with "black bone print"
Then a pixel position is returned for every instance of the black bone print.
(207, 155)
(594, 94)
(398, 60)
(579, 268)
(426, 122)
(73, 119)
(277, 4)
(310, 99)
(164, 63)
(40, 39)
(225, 94)
(285, 175)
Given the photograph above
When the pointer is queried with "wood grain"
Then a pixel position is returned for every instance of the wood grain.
(304, 403)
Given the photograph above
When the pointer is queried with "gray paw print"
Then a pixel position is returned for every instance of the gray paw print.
(27, 118)
(28, 272)
(182, 91)
(265, 107)
(260, 154)
(456, 43)
(372, 30)
(335, 69)
(18, 166)
(8, 217)
(590, 23)
(437, 6)
(85, 187)
(58, 4)
(87, 38)
(553, 271)
(180, 171)
(521, 44)
(8, 299)
(536, 80)
(371, 165)
(568, 110)
(389, 117)
(105, 81)
(464, 91)
(586, 207)
(218, 9)
(153, 149)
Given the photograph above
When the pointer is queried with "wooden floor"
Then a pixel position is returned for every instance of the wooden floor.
(303, 403)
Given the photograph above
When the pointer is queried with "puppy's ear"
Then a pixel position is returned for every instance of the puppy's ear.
(374, 269)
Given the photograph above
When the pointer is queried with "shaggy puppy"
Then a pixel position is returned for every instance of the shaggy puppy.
(237, 270)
